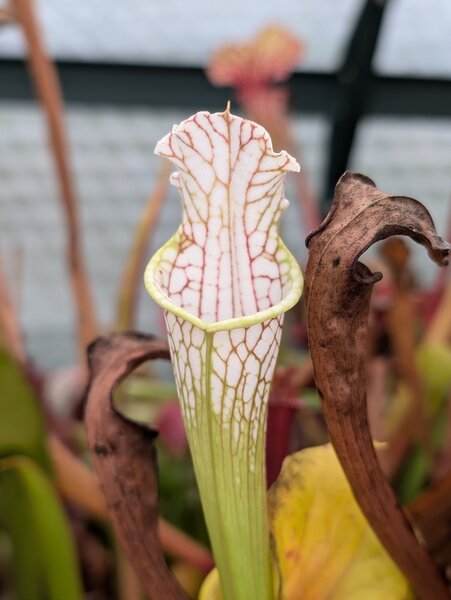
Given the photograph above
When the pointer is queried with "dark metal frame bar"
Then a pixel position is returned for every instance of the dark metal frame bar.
(178, 87)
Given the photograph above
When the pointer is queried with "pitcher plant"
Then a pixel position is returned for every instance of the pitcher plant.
(224, 281)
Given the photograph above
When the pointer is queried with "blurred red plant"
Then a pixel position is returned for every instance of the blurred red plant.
(252, 69)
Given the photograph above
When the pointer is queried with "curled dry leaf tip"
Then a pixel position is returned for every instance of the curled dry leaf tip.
(124, 458)
(338, 291)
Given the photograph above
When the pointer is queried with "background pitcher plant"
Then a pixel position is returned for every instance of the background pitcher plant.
(225, 280)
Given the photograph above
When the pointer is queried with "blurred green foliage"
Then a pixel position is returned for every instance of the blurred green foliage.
(44, 564)
(434, 365)
(22, 425)
(179, 495)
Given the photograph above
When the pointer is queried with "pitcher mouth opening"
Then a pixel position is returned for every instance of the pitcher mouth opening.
(292, 292)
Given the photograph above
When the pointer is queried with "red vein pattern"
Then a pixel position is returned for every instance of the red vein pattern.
(225, 262)
(228, 263)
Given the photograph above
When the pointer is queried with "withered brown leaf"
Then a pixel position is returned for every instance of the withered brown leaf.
(124, 459)
(338, 290)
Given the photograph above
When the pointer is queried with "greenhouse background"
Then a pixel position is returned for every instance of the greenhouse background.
(249, 469)
(120, 65)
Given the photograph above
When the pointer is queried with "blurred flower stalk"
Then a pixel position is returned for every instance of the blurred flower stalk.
(225, 280)
(253, 69)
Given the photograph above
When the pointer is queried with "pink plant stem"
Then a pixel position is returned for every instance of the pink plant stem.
(307, 199)
(273, 114)
(131, 280)
(9, 323)
(6, 15)
(45, 79)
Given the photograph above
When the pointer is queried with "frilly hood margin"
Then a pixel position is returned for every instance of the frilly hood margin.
(231, 183)
(224, 280)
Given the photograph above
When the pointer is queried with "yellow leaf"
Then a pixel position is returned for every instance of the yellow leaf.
(323, 546)
(211, 589)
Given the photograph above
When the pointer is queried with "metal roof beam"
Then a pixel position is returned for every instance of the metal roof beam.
(188, 88)
(354, 79)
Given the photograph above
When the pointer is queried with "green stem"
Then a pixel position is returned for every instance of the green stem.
(233, 491)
